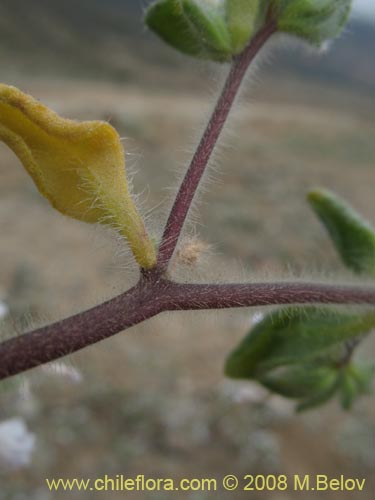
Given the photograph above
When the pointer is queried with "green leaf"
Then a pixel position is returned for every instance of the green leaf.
(320, 398)
(348, 390)
(209, 20)
(244, 17)
(311, 385)
(166, 18)
(353, 237)
(296, 335)
(297, 382)
(355, 380)
(315, 21)
(364, 374)
(194, 28)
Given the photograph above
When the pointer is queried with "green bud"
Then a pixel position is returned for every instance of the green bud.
(312, 20)
(354, 238)
(299, 381)
(220, 29)
(194, 27)
(321, 397)
(207, 29)
(244, 17)
(166, 18)
(208, 17)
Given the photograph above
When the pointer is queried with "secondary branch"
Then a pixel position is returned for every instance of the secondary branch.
(207, 144)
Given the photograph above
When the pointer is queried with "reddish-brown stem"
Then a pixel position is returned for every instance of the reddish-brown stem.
(151, 296)
(207, 144)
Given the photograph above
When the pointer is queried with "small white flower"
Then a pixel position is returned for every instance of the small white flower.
(16, 443)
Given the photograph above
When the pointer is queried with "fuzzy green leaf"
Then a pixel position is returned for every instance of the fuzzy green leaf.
(353, 237)
(299, 382)
(315, 21)
(314, 384)
(320, 398)
(296, 335)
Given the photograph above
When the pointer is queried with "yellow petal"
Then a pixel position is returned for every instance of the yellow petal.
(78, 166)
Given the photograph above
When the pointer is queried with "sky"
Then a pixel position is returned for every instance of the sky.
(365, 7)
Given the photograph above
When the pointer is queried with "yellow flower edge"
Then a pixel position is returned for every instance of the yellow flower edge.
(78, 166)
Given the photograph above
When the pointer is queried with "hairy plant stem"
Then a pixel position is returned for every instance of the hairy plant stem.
(154, 292)
(152, 295)
(207, 144)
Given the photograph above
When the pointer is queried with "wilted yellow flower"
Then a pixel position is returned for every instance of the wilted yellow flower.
(78, 166)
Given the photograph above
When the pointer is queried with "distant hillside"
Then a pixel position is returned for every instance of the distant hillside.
(72, 37)
(106, 39)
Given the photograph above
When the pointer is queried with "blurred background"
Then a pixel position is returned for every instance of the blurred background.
(154, 400)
